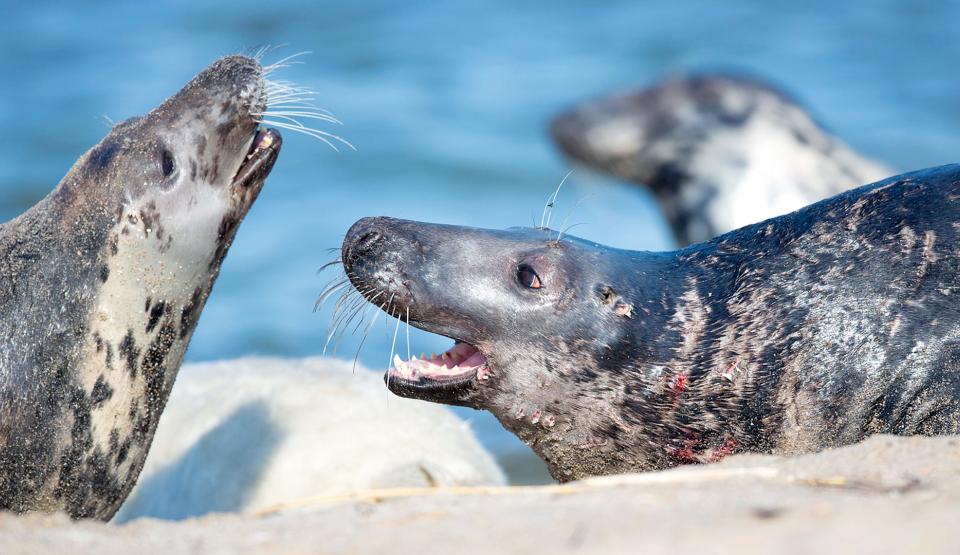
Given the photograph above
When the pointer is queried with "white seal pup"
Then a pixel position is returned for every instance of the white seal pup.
(103, 282)
(718, 151)
(245, 435)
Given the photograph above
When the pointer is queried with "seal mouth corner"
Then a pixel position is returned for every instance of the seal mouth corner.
(259, 160)
(459, 367)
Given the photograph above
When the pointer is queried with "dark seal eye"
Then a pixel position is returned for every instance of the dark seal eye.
(528, 278)
(167, 164)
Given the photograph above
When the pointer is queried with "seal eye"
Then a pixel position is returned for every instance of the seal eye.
(167, 165)
(528, 278)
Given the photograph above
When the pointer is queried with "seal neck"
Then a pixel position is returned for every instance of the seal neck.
(663, 385)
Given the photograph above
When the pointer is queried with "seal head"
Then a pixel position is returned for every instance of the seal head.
(104, 281)
(540, 325)
(493, 309)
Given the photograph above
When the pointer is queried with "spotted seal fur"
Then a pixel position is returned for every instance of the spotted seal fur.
(807, 331)
(104, 280)
(719, 151)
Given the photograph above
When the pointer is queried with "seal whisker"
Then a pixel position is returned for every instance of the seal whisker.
(344, 298)
(283, 96)
(329, 264)
(359, 306)
(292, 114)
(338, 314)
(555, 194)
(551, 202)
(287, 103)
(265, 49)
(568, 228)
(408, 332)
(285, 62)
(297, 103)
(393, 345)
(315, 133)
(356, 305)
(366, 332)
(330, 290)
(388, 310)
(570, 213)
(280, 91)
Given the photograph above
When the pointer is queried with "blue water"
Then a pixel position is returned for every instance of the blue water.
(447, 103)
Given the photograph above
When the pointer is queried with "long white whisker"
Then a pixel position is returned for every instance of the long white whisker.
(408, 333)
(365, 332)
(284, 62)
(568, 228)
(287, 103)
(388, 310)
(355, 308)
(393, 345)
(290, 115)
(553, 201)
(570, 213)
(329, 292)
(315, 133)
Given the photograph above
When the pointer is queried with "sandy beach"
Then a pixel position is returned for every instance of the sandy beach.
(885, 495)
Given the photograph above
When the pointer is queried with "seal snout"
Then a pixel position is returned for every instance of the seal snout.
(363, 238)
(374, 253)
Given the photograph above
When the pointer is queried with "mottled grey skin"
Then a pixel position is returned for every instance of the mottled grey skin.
(806, 331)
(104, 280)
(719, 151)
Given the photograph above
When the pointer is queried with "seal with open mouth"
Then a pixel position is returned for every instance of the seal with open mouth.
(719, 151)
(104, 281)
(806, 331)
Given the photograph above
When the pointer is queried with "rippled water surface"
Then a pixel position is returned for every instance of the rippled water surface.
(447, 103)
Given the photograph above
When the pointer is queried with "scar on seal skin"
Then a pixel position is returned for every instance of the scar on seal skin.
(718, 151)
(803, 332)
(103, 281)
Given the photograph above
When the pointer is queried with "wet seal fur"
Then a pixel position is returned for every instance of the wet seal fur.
(803, 332)
(103, 283)
(719, 151)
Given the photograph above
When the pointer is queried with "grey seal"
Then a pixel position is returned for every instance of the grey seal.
(103, 283)
(718, 150)
(810, 330)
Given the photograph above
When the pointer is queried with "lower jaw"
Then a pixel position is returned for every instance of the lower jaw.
(439, 379)
(258, 162)
(452, 393)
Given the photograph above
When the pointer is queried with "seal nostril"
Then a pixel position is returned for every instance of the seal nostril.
(367, 241)
(363, 243)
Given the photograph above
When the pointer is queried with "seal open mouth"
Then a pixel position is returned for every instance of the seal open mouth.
(260, 158)
(455, 368)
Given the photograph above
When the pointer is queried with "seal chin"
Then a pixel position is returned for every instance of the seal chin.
(264, 149)
(442, 378)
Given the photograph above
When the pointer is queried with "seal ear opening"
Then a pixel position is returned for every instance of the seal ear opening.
(609, 297)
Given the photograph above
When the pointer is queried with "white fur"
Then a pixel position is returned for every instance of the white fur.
(247, 434)
(141, 269)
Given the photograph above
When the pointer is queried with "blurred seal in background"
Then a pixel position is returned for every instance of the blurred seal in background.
(718, 151)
